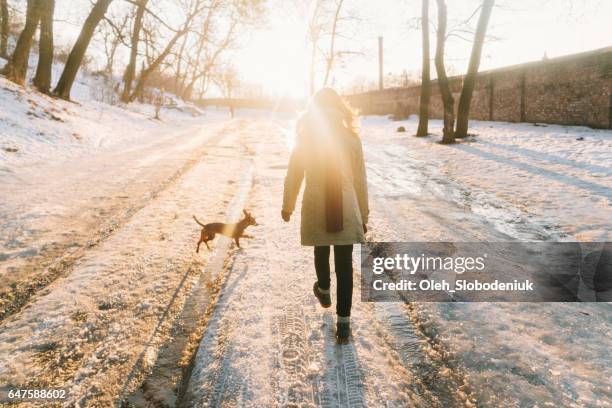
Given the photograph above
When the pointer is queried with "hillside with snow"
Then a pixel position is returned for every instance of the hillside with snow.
(36, 127)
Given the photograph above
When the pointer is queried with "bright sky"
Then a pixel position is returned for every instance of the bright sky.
(275, 57)
(278, 58)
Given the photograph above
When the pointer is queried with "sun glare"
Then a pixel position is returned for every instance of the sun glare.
(278, 58)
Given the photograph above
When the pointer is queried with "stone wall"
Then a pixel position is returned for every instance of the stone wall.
(570, 90)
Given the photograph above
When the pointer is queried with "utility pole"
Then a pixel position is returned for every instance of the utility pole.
(381, 85)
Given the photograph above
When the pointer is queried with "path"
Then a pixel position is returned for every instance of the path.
(136, 318)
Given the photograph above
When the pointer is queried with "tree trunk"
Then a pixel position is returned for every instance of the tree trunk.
(425, 88)
(470, 78)
(130, 70)
(187, 91)
(447, 97)
(179, 79)
(332, 45)
(142, 78)
(17, 67)
(139, 88)
(187, 87)
(311, 74)
(42, 79)
(77, 53)
(4, 28)
(313, 32)
(110, 59)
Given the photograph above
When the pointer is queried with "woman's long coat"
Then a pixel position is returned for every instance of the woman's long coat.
(310, 159)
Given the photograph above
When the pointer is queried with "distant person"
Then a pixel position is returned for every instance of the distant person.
(328, 153)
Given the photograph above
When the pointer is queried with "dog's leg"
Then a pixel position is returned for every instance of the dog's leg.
(202, 238)
(237, 240)
(206, 242)
(246, 236)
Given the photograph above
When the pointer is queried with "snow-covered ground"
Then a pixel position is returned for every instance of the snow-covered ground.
(72, 171)
(36, 128)
(124, 310)
(509, 182)
(555, 178)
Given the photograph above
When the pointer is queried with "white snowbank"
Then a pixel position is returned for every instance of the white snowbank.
(36, 128)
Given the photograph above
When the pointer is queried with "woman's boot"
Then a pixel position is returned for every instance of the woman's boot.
(343, 329)
(322, 295)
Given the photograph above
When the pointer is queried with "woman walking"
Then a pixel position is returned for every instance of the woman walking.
(328, 153)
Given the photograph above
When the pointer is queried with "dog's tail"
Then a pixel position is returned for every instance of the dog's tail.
(199, 223)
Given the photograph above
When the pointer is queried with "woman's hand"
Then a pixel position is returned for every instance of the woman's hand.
(365, 228)
(286, 216)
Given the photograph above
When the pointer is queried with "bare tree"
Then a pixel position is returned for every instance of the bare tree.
(425, 76)
(329, 21)
(77, 53)
(190, 55)
(227, 81)
(155, 64)
(470, 78)
(447, 97)
(337, 22)
(314, 34)
(179, 77)
(209, 53)
(193, 11)
(113, 36)
(4, 28)
(17, 67)
(42, 78)
(329, 60)
(130, 70)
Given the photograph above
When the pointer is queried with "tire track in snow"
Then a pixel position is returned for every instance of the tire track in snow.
(270, 337)
(173, 367)
(88, 332)
(300, 341)
(61, 259)
(344, 384)
(440, 382)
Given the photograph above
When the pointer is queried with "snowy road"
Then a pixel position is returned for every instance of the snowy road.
(52, 213)
(268, 344)
(136, 316)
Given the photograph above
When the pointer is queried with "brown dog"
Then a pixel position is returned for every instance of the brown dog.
(235, 230)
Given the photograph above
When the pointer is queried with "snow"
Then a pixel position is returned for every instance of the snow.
(107, 319)
(554, 177)
(493, 354)
(509, 182)
(110, 300)
(36, 128)
(268, 343)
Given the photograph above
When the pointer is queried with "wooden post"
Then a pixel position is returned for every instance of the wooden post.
(381, 85)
